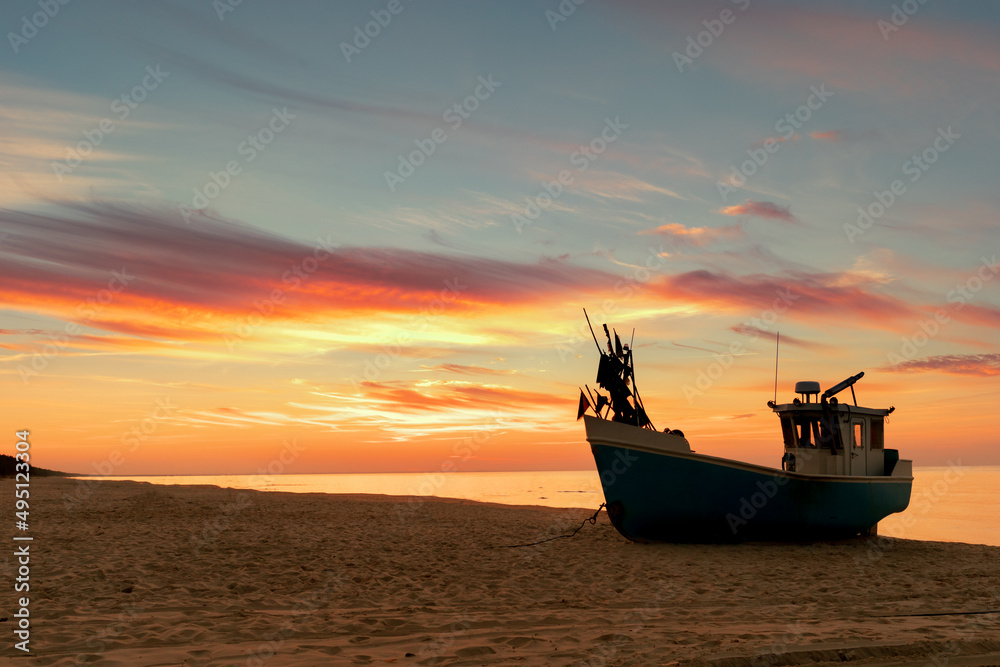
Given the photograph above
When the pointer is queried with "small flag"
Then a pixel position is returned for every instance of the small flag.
(584, 405)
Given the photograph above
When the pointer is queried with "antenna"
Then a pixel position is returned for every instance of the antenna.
(592, 332)
(777, 342)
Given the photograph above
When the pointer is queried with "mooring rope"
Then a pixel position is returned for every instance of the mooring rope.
(592, 520)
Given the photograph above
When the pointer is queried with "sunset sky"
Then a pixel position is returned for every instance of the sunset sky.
(235, 233)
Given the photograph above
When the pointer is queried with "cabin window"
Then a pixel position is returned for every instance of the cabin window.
(859, 434)
(808, 431)
(788, 432)
(878, 434)
(804, 427)
(812, 431)
(829, 432)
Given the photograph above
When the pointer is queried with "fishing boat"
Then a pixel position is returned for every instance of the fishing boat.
(836, 478)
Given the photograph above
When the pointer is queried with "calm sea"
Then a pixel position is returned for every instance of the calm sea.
(949, 504)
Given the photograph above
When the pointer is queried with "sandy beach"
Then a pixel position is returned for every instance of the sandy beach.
(124, 573)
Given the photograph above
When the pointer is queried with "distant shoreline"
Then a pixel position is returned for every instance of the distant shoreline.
(413, 472)
(8, 469)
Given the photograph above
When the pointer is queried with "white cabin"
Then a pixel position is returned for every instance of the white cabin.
(826, 437)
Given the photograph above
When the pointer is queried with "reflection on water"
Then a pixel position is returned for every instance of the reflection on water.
(949, 504)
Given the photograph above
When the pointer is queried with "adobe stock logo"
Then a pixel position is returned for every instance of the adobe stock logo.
(581, 159)
(697, 44)
(566, 9)
(786, 126)
(38, 20)
(900, 15)
(915, 168)
(121, 107)
(455, 116)
(372, 29)
(750, 507)
(723, 361)
(254, 145)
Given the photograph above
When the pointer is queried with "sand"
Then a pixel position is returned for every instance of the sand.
(135, 574)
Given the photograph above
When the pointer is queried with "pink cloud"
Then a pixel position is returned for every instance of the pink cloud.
(760, 209)
(844, 49)
(810, 297)
(986, 316)
(177, 277)
(985, 365)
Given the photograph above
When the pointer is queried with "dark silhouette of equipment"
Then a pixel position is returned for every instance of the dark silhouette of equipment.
(841, 386)
(616, 375)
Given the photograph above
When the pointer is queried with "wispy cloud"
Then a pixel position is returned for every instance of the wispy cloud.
(696, 236)
(611, 185)
(409, 409)
(842, 136)
(834, 136)
(760, 209)
(42, 127)
(952, 364)
(844, 48)
(216, 268)
(756, 332)
(462, 369)
(777, 139)
(809, 297)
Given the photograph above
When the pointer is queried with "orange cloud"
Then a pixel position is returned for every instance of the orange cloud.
(405, 409)
(840, 136)
(462, 369)
(831, 135)
(148, 273)
(696, 236)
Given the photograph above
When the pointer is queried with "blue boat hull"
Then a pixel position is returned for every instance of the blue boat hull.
(670, 497)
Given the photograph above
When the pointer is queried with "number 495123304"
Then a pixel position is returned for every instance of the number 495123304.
(22, 468)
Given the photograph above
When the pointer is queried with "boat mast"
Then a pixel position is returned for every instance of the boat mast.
(777, 341)
(592, 332)
(635, 389)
